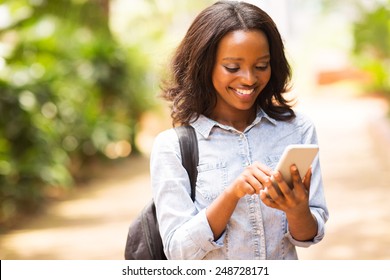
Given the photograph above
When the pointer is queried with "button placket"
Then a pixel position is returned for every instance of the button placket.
(244, 150)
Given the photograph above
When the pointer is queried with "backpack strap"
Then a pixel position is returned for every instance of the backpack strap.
(189, 153)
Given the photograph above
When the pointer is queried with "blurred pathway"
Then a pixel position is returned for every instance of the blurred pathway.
(355, 158)
(90, 225)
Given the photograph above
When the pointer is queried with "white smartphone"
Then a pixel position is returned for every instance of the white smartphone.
(302, 155)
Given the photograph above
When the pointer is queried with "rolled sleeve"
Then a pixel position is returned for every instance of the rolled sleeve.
(321, 220)
(197, 241)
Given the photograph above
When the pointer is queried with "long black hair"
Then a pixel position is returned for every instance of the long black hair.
(191, 90)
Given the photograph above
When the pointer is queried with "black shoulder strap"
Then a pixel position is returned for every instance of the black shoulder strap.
(189, 153)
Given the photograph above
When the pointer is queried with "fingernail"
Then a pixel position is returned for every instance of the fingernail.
(294, 168)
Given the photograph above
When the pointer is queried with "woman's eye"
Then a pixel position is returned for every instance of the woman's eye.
(262, 67)
(231, 69)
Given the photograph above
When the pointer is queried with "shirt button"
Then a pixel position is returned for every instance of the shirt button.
(241, 135)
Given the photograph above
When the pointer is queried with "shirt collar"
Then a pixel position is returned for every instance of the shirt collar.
(204, 125)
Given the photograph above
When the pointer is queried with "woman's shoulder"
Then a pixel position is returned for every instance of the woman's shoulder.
(166, 140)
(167, 134)
(166, 137)
(302, 118)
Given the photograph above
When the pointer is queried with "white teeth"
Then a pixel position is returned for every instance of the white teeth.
(244, 91)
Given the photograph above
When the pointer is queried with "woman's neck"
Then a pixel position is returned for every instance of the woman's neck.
(240, 120)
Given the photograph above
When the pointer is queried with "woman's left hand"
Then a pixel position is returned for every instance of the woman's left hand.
(285, 198)
(294, 202)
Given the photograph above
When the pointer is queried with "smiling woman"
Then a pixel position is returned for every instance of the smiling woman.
(229, 75)
(240, 73)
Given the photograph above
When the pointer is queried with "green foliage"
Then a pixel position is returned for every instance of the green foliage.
(372, 45)
(67, 91)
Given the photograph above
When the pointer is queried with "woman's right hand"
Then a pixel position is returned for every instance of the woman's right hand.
(252, 180)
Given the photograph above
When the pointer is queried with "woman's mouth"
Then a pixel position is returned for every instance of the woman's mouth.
(243, 91)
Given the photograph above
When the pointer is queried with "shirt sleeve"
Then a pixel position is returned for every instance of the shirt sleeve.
(184, 229)
(317, 202)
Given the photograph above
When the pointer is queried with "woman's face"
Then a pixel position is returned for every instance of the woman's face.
(242, 69)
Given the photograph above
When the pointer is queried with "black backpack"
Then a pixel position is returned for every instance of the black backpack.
(143, 238)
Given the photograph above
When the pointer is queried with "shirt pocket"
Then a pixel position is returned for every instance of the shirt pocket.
(212, 180)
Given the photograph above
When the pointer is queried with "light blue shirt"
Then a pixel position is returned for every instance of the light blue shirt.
(254, 231)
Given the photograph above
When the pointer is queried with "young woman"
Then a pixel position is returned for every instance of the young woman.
(228, 78)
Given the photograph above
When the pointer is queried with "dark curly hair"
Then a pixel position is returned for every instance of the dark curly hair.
(191, 91)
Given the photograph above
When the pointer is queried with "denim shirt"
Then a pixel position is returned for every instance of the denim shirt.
(254, 231)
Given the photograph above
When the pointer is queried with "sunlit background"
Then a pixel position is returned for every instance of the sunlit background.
(79, 110)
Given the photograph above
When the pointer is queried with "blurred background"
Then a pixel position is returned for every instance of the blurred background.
(79, 109)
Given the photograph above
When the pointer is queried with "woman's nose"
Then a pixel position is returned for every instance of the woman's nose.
(248, 77)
